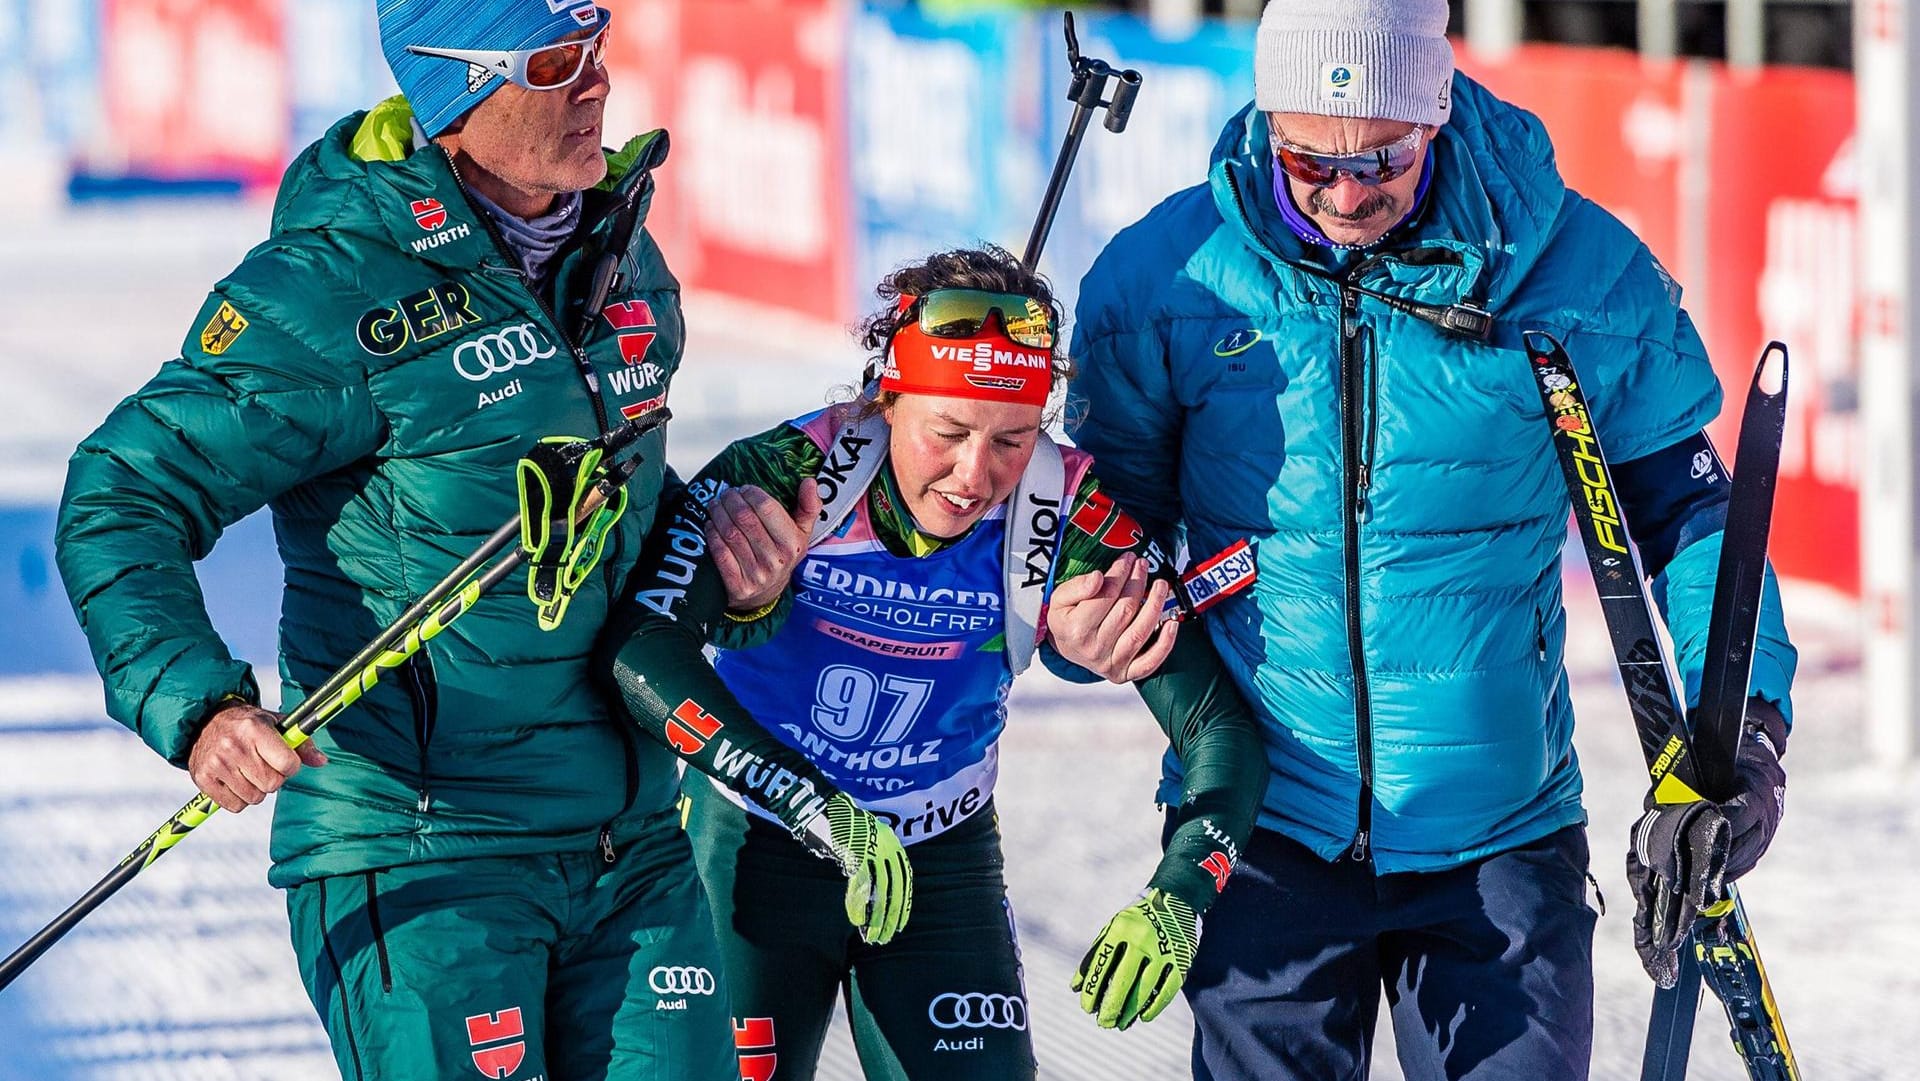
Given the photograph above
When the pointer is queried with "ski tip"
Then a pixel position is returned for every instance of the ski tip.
(1540, 344)
(1771, 376)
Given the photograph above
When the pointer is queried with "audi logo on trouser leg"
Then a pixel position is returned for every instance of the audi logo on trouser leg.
(491, 354)
(977, 1010)
(680, 980)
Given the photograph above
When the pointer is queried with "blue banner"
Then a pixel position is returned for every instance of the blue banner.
(336, 64)
(241, 579)
(944, 127)
(1191, 86)
(50, 85)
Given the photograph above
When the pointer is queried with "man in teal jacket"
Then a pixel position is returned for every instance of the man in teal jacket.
(1293, 354)
(487, 872)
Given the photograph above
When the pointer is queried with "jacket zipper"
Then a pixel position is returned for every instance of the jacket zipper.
(417, 678)
(379, 932)
(1357, 477)
(580, 361)
(1372, 377)
(633, 792)
(1356, 457)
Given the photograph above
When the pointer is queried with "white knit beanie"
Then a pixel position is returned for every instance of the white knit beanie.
(1376, 59)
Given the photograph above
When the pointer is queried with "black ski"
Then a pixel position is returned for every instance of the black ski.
(1722, 714)
(1670, 1028)
(1723, 952)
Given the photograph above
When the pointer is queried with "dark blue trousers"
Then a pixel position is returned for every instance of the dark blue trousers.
(1488, 967)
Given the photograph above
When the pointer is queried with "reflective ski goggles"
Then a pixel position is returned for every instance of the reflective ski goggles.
(963, 313)
(549, 67)
(1370, 167)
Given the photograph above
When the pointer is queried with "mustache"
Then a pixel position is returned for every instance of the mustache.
(1322, 202)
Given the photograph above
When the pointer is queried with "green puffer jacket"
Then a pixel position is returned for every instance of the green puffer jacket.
(372, 373)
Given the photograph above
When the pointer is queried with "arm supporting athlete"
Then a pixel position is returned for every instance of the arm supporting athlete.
(672, 693)
(673, 606)
(1224, 768)
(1209, 725)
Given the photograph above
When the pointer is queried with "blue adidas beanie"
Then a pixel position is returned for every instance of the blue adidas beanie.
(442, 91)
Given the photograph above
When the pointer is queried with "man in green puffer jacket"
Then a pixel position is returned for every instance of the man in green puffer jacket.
(488, 872)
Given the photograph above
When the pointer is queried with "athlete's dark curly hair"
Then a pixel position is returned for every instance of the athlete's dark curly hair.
(989, 267)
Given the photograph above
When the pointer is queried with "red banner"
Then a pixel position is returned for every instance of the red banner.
(1780, 225)
(753, 199)
(195, 88)
(1618, 126)
(1743, 183)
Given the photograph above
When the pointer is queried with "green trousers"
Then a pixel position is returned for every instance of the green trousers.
(944, 1000)
(556, 967)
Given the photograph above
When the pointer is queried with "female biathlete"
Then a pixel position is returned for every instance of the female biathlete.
(947, 515)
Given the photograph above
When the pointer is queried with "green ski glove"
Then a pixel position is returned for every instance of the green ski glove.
(879, 880)
(1138, 963)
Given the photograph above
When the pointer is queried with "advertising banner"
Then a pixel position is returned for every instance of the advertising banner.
(1191, 86)
(944, 122)
(1744, 185)
(1781, 229)
(194, 89)
(1620, 129)
(336, 66)
(643, 64)
(753, 199)
(50, 93)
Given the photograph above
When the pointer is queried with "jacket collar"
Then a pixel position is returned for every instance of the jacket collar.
(373, 161)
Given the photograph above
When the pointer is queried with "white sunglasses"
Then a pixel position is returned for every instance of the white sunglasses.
(548, 67)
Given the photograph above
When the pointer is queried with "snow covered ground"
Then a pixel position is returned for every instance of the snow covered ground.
(188, 973)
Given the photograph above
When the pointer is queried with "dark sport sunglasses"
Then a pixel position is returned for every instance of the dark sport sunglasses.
(1370, 167)
(963, 313)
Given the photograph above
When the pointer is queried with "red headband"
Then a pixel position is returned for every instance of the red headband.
(991, 367)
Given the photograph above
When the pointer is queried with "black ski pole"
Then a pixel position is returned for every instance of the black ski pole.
(1088, 92)
(436, 610)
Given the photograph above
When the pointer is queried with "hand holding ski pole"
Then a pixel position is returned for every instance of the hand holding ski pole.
(1135, 967)
(448, 600)
(241, 756)
(1682, 855)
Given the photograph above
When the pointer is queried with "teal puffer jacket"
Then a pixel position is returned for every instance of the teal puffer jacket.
(1403, 642)
(372, 372)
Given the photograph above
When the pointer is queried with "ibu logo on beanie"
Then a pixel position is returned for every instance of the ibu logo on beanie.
(1376, 59)
(443, 90)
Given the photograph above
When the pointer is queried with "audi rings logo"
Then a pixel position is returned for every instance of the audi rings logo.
(978, 1011)
(502, 351)
(680, 980)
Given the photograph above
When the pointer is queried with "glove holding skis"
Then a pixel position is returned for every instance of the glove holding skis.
(1136, 966)
(1682, 854)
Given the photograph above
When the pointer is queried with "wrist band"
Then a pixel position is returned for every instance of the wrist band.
(758, 613)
